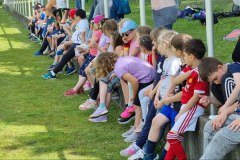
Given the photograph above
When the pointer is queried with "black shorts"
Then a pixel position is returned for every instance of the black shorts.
(140, 87)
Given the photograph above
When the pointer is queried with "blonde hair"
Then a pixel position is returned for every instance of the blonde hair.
(165, 38)
(104, 64)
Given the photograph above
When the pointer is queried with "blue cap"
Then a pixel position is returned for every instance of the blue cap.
(128, 25)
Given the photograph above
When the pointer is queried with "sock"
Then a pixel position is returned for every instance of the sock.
(175, 145)
(169, 154)
(150, 147)
(53, 73)
(136, 147)
(102, 105)
(163, 154)
(130, 103)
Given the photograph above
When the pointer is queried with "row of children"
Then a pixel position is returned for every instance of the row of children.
(164, 78)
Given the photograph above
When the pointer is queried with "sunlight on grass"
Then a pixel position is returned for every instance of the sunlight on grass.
(10, 31)
(14, 70)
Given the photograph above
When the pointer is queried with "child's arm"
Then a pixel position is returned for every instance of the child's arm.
(206, 100)
(233, 96)
(182, 77)
(168, 100)
(134, 52)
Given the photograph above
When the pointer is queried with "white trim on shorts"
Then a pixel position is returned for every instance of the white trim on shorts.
(188, 120)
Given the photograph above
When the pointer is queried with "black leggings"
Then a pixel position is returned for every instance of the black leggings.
(65, 59)
(44, 45)
(95, 91)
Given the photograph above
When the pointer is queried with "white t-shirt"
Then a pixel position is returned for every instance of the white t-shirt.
(171, 66)
(61, 4)
(82, 26)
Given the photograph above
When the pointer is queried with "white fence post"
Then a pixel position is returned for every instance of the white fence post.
(142, 12)
(83, 4)
(29, 8)
(67, 3)
(106, 9)
(210, 37)
(25, 8)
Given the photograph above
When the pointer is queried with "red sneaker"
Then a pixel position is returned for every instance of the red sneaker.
(71, 92)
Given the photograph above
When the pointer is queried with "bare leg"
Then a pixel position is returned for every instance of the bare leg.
(89, 75)
(138, 116)
(80, 83)
(125, 91)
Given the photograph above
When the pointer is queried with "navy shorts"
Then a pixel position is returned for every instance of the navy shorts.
(87, 61)
(170, 113)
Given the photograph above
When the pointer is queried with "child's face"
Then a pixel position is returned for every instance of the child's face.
(129, 35)
(188, 58)
(76, 18)
(142, 49)
(155, 44)
(216, 76)
(177, 53)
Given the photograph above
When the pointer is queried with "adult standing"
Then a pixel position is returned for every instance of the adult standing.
(164, 13)
(78, 4)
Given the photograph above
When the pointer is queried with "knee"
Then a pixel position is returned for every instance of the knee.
(155, 122)
(208, 127)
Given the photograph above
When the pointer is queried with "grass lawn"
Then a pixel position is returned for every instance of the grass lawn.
(38, 122)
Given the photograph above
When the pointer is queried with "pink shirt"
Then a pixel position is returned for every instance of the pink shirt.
(134, 44)
(93, 51)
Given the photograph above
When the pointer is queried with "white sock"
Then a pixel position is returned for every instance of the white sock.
(92, 101)
(53, 73)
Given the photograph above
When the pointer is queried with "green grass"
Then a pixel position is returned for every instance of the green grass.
(38, 122)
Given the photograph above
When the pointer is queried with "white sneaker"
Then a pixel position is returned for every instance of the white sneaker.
(138, 155)
(132, 138)
(129, 132)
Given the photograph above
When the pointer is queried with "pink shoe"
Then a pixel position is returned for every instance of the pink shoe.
(87, 105)
(128, 112)
(71, 92)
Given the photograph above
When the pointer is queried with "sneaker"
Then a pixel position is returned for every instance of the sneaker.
(132, 137)
(138, 155)
(140, 127)
(128, 112)
(71, 92)
(38, 54)
(115, 96)
(99, 112)
(131, 150)
(87, 105)
(48, 76)
(152, 156)
(71, 71)
(51, 67)
(126, 120)
(98, 119)
(129, 132)
(87, 86)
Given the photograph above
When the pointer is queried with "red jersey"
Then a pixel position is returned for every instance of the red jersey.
(150, 59)
(193, 85)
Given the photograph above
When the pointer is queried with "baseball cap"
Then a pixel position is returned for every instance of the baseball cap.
(128, 25)
(72, 12)
(97, 18)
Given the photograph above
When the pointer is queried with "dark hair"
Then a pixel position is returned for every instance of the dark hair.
(179, 40)
(117, 39)
(80, 13)
(143, 30)
(146, 42)
(155, 33)
(195, 47)
(207, 66)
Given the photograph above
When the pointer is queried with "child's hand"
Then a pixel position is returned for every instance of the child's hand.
(235, 125)
(156, 101)
(160, 104)
(146, 92)
(178, 116)
(167, 101)
(112, 76)
(204, 100)
(219, 121)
